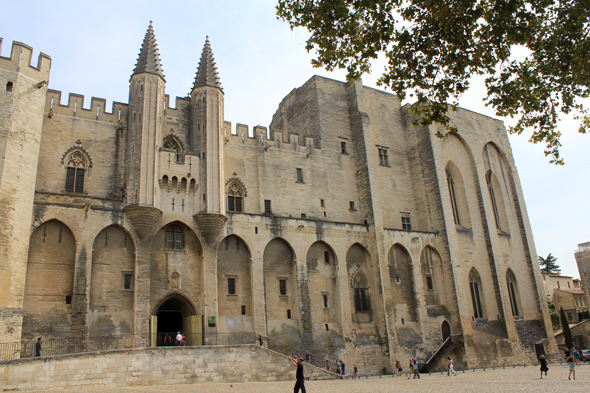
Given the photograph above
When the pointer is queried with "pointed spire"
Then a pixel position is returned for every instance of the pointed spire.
(149, 57)
(207, 73)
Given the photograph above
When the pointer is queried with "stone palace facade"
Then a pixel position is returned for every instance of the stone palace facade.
(341, 228)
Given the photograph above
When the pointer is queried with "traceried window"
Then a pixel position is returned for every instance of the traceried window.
(475, 288)
(235, 198)
(362, 301)
(75, 172)
(170, 143)
(174, 238)
(493, 198)
(512, 292)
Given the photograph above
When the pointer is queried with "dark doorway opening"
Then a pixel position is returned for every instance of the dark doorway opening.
(170, 322)
(446, 330)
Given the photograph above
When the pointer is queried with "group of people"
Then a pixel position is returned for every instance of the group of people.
(572, 356)
(179, 340)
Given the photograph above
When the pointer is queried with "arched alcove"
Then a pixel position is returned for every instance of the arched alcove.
(49, 283)
(358, 264)
(323, 288)
(112, 283)
(477, 299)
(457, 195)
(401, 276)
(513, 294)
(433, 276)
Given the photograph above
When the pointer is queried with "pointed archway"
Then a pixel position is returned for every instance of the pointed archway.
(174, 314)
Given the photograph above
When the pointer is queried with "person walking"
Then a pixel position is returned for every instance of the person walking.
(327, 365)
(300, 384)
(576, 356)
(39, 344)
(343, 367)
(415, 367)
(543, 362)
(398, 368)
(355, 372)
(570, 360)
(338, 367)
(451, 367)
(307, 357)
(260, 339)
(178, 339)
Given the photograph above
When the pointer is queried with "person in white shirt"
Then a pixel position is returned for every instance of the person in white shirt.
(178, 339)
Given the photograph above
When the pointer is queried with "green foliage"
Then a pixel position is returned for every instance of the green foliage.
(432, 48)
(567, 333)
(554, 316)
(549, 265)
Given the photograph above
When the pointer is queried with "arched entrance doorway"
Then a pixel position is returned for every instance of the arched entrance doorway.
(175, 314)
(446, 330)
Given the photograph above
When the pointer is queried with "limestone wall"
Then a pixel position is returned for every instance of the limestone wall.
(148, 367)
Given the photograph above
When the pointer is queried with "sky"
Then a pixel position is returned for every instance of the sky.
(94, 48)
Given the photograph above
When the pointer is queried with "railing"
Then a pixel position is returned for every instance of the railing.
(453, 341)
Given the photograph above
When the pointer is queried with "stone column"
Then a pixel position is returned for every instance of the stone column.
(258, 299)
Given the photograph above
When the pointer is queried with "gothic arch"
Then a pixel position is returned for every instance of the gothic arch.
(513, 293)
(476, 291)
(457, 194)
(181, 300)
(172, 142)
(401, 276)
(236, 195)
(79, 150)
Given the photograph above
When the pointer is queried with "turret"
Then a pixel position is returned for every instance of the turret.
(23, 88)
(206, 135)
(144, 124)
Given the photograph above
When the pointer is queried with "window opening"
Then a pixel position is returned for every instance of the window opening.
(351, 205)
(406, 223)
(322, 203)
(299, 175)
(243, 310)
(474, 286)
(127, 284)
(451, 185)
(327, 256)
(267, 208)
(493, 198)
(343, 147)
(9, 86)
(231, 286)
(174, 238)
(325, 301)
(75, 173)
(288, 314)
(361, 294)
(327, 328)
(235, 197)
(383, 158)
(283, 287)
(68, 300)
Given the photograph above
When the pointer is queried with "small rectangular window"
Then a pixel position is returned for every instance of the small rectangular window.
(406, 224)
(568, 285)
(327, 328)
(299, 175)
(283, 287)
(8, 86)
(178, 240)
(322, 203)
(325, 301)
(127, 286)
(383, 158)
(351, 204)
(238, 204)
(327, 256)
(243, 310)
(288, 314)
(231, 286)
(343, 147)
(68, 300)
(70, 178)
(267, 208)
(303, 215)
(230, 204)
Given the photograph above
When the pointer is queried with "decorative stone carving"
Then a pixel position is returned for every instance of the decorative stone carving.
(210, 224)
(143, 218)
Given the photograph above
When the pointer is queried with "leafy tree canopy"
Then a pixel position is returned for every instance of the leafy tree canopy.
(433, 47)
(549, 265)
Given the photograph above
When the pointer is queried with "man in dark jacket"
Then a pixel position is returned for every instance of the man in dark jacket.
(38, 347)
(299, 376)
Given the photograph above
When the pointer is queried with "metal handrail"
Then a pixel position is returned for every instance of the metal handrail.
(449, 340)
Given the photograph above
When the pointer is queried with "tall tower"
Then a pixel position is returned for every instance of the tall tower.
(144, 136)
(23, 89)
(206, 137)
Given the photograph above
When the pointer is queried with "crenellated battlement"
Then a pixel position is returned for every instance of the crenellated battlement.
(259, 136)
(20, 59)
(75, 108)
(179, 104)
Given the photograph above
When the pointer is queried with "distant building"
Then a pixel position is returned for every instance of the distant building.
(566, 292)
(583, 260)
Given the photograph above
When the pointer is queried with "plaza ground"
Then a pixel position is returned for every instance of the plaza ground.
(519, 379)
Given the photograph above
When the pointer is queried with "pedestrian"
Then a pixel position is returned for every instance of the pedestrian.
(343, 367)
(570, 360)
(39, 344)
(327, 365)
(167, 340)
(451, 366)
(415, 367)
(338, 367)
(178, 339)
(183, 340)
(576, 356)
(355, 372)
(568, 353)
(307, 357)
(398, 368)
(260, 339)
(543, 362)
(299, 375)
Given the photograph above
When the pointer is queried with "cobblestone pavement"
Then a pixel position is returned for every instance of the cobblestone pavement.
(519, 379)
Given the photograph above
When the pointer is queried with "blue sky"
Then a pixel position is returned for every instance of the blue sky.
(94, 48)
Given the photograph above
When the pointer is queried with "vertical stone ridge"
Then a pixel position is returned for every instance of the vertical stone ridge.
(207, 72)
(149, 56)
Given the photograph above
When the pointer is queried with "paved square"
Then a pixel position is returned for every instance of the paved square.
(519, 379)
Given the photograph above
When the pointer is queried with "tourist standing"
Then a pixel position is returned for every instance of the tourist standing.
(543, 362)
(39, 344)
(307, 357)
(260, 339)
(338, 367)
(299, 375)
(343, 367)
(178, 339)
(411, 367)
(576, 355)
(451, 366)
(355, 372)
(327, 365)
(570, 360)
